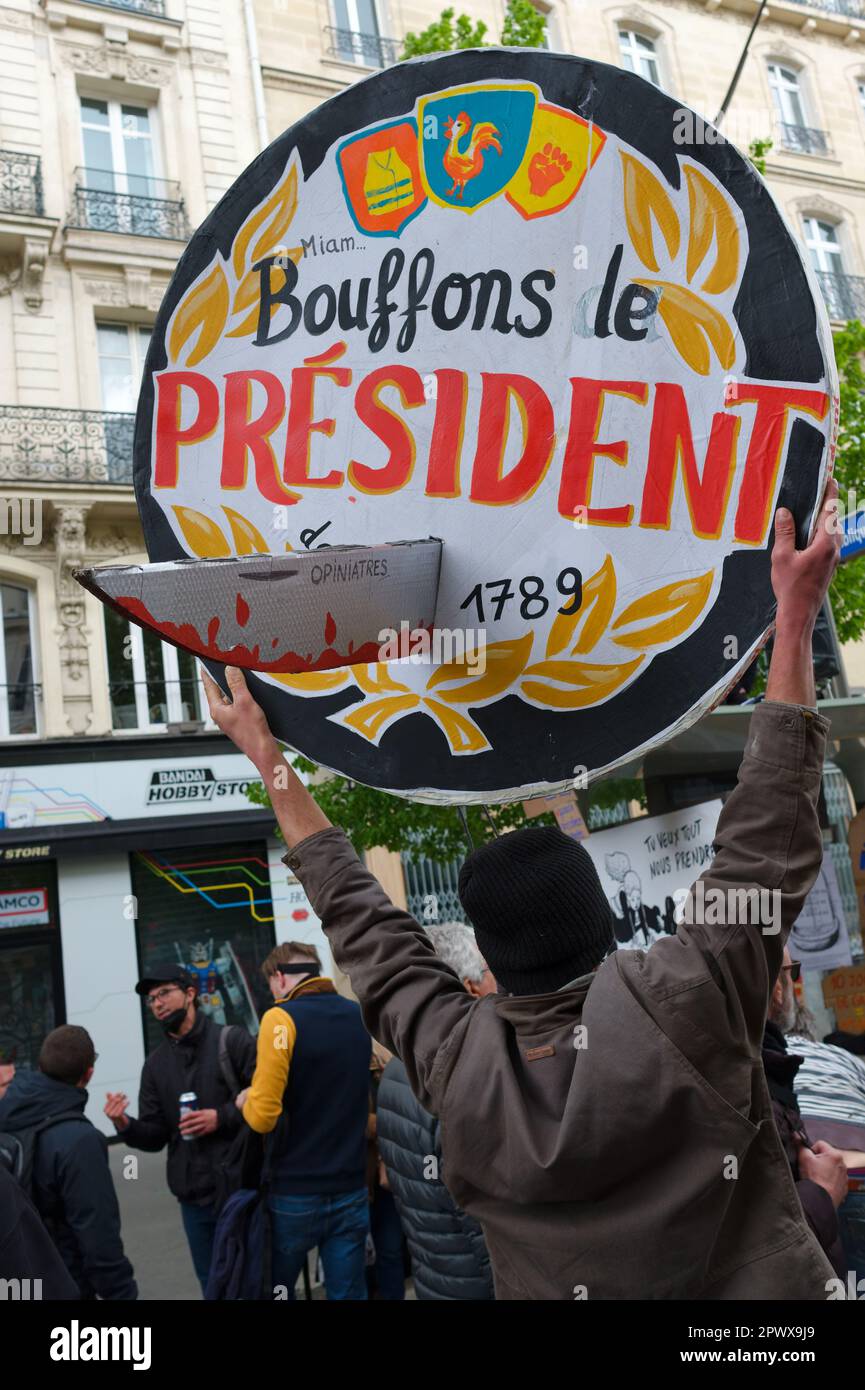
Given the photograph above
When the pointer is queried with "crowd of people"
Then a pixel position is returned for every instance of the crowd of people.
(525, 1110)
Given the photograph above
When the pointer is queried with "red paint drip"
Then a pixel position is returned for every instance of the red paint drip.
(288, 662)
(329, 630)
(241, 611)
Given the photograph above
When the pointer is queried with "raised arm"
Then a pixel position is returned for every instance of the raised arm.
(411, 1000)
(768, 843)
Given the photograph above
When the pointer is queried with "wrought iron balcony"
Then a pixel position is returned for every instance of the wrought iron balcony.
(849, 9)
(844, 295)
(154, 7)
(21, 183)
(39, 444)
(105, 201)
(803, 139)
(355, 47)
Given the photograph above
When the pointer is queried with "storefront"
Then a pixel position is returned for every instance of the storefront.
(111, 860)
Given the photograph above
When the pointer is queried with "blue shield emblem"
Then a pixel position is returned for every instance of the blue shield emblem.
(473, 140)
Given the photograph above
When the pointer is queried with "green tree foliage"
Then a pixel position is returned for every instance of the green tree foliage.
(848, 587)
(524, 27)
(370, 818)
(757, 151)
(444, 35)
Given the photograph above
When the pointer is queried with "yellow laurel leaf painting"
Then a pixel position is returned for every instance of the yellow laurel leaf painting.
(504, 662)
(204, 538)
(200, 319)
(675, 606)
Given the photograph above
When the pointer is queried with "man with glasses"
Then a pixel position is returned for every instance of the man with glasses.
(818, 1169)
(195, 1057)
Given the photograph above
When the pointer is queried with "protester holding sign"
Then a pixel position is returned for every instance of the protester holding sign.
(641, 1156)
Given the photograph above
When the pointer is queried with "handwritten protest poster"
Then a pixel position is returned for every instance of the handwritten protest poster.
(647, 866)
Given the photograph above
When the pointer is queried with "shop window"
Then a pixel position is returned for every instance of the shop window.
(31, 983)
(151, 683)
(639, 54)
(212, 912)
(18, 680)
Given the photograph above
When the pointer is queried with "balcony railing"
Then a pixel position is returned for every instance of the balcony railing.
(849, 9)
(105, 201)
(156, 7)
(39, 444)
(803, 139)
(21, 183)
(354, 47)
(844, 295)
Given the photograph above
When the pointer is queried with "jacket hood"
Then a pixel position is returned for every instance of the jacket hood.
(32, 1097)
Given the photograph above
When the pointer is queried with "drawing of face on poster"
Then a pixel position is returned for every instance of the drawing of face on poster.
(592, 375)
(646, 867)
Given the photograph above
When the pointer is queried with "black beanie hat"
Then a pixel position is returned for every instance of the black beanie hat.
(540, 914)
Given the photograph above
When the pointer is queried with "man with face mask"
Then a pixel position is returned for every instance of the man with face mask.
(193, 1058)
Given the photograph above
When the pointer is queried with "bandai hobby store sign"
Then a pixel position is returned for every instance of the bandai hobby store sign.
(488, 298)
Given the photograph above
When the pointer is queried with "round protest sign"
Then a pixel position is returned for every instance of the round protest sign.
(527, 305)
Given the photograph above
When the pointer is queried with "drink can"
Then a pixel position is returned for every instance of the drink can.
(188, 1103)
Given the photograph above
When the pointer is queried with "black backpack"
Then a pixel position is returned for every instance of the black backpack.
(18, 1149)
(241, 1166)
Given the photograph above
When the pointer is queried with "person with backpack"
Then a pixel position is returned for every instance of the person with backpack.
(60, 1160)
(215, 1063)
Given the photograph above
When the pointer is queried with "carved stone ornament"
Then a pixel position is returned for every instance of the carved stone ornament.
(816, 203)
(84, 57)
(137, 286)
(70, 541)
(10, 273)
(35, 257)
(151, 73)
(108, 292)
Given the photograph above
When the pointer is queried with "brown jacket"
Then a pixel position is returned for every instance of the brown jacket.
(607, 1171)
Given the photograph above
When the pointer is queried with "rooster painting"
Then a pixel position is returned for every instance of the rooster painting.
(467, 164)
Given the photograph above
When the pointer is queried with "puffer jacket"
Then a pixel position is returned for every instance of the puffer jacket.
(449, 1258)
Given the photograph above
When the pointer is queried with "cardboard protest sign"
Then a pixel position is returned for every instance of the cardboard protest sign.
(647, 867)
(819, 936)
(339, 602)
(492, 298)
(844, 994)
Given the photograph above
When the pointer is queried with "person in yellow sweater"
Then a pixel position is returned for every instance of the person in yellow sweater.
(312, 1065)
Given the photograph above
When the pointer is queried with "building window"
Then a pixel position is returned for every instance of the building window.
(18, 687)
(639, 55)
(860, 87)
(151, 683)
(357, 38)
(122, 350)
(824, 248)
(796, 131)
(119, 147)
(843, 293)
